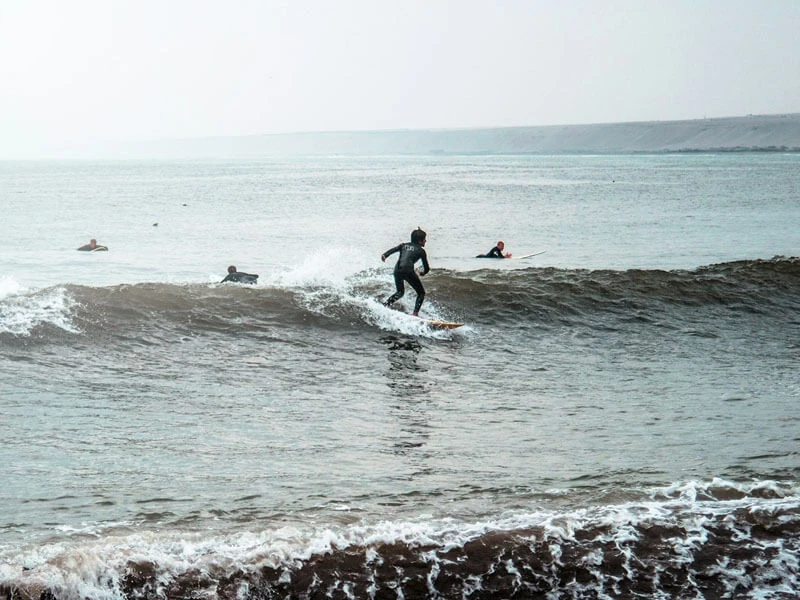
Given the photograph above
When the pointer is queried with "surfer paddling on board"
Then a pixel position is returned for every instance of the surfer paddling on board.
(404, 271)
(496, 252)
(92, 246)
(235, 276)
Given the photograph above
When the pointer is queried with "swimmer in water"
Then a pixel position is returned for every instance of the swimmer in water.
(92, 246)
(235, 276)
(496, 252)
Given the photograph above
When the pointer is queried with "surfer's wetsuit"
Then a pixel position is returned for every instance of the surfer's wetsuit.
(493, 253)
(239, 277)
(404, 271)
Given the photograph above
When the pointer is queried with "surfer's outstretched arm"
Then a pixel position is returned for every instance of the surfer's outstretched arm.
(390, 252)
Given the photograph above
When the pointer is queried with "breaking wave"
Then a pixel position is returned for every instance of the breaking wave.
(524, 298)
(717, 539)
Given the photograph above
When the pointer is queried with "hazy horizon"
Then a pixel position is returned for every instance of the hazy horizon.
(94, 72)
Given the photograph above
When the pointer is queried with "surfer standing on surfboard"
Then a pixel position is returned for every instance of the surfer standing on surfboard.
(404, 269)
(496, 252)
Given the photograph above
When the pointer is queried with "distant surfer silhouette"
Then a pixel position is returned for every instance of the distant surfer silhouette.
(235, 276)
(92, 246)
(404, 271)
(496, 252)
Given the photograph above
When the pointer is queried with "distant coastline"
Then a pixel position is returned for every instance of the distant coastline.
(754, 133)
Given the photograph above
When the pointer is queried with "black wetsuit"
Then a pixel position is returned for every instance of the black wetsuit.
(493, 253)
(239, 277)
(404, 271)
(88, 248)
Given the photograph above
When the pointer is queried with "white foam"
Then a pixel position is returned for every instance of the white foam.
(400, 322)
(22, 312)
(696, 491)
(335, 280)
(334, 267)
(83, 566)
(9, 286)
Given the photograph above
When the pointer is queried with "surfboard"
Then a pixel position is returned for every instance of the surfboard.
(436, 324)
(432, 323)
(99, 249)
(529, 255)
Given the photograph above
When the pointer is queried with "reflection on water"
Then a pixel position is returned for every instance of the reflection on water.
(410, 387)
(404, 366)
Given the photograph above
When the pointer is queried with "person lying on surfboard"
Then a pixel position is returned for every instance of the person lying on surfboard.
(404, 271)
(92, 246)
(496, 252)
(235, 276)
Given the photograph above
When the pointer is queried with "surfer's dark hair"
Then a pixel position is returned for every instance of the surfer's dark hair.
(232, 269)
(418, 235)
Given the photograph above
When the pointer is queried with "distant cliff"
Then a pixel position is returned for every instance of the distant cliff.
(762, 133)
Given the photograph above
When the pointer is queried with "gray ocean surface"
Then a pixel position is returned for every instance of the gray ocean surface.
(631, 392)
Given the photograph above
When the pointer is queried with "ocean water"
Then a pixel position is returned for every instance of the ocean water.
(617, 418)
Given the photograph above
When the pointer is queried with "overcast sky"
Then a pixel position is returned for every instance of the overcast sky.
(82, 71)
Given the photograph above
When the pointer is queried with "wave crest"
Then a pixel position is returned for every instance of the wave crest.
(524, 298)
